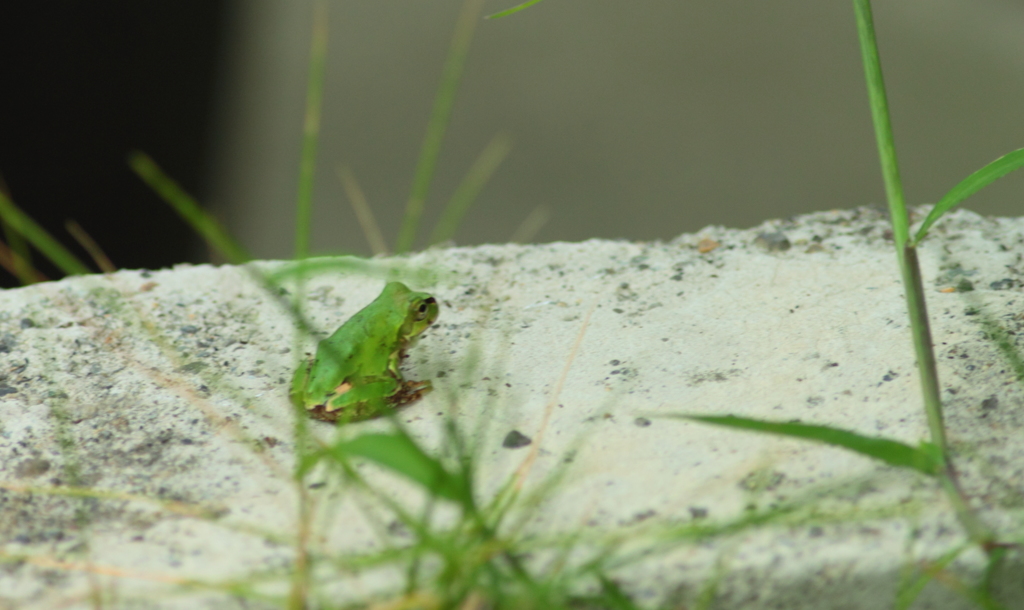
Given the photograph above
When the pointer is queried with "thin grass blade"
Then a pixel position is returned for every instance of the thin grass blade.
(202, 223)
(613, 597)
(438, 123)
(883, 127)
(16, 266)
(891, 452)
(477, 176)
(971, 185)
(310, 267)
(37, 236)
(920, 330)
(89, 245)
(941, 573)
(996, 562)
(311, 129)
(531, 225)
(22, 259)
(514, 9)
(400, 454)
(363, 212)
(911, 589)
(906, 255)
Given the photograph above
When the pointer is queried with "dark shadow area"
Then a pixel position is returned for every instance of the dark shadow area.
(84, 84)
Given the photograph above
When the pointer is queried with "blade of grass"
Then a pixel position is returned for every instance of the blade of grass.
(514, 9)
(89, 245)
(296, 270)
(533, 222)
(913, 287)
(980, 598)
(477, 176)
(301, 575)
(971, 185)
(363, 212)
(438, 123)
(38, 237)
(398, 453)
(298, 593)
(880, 118)
(201, 221)
(920, 329)
(612, 595)
(527, 464)
(910, 591)
(22, 257)
(891, 452)
(995, 562)
(11, 261)
(311, 129)
(911, 273)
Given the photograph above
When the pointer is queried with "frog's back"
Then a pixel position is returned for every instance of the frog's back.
(360, 347)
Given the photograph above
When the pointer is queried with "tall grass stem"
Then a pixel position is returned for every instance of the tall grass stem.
(883, 127)
(922, 337)
(16, 266)
(89, 245)
(477, 176)
(311, 129)
(38, 236)
(440, 116)
(203, 223)
(361, 207)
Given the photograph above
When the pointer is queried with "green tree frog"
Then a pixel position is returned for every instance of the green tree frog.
(354, 375)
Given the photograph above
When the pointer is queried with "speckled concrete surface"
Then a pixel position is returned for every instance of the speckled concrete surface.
(164, 394)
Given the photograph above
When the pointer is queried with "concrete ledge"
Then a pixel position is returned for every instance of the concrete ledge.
(166, 392)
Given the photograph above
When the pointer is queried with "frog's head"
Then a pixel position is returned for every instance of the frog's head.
(420, 312)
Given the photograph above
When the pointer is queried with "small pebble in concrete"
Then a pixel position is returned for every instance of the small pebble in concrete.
(773, 242)
(515, 439)
(989, 404)
(31, 467)
(707, 245)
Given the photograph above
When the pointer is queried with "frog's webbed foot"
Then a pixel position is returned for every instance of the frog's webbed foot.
(320, 413)
(409, 392)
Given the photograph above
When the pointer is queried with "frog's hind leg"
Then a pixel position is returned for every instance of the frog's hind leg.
(360, 402)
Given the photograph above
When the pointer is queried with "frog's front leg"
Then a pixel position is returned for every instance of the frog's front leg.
(411, 391)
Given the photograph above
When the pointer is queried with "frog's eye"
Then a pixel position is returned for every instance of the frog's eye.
(423, 309)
